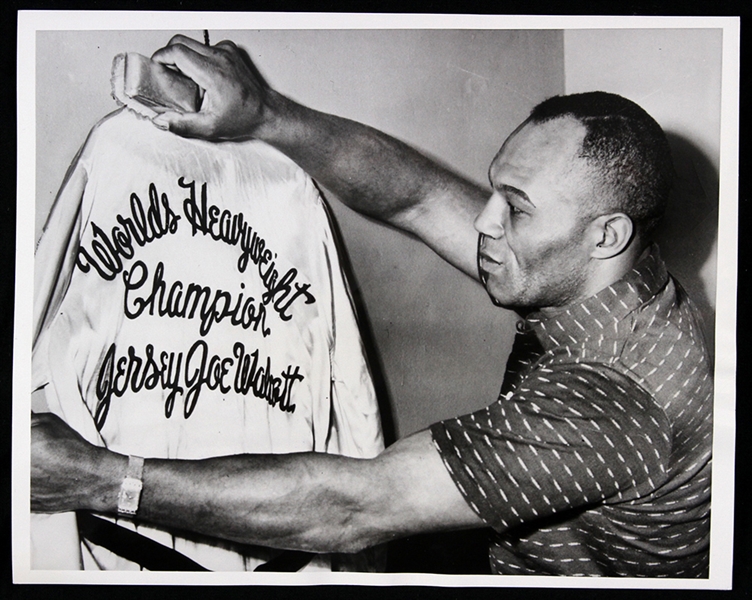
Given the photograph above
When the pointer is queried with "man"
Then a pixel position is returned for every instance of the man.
(595, 459)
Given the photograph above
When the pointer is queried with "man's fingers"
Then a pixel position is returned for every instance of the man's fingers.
(198, 125)
(228, 44)
(195, 65)
(234, 90)
(194, 45)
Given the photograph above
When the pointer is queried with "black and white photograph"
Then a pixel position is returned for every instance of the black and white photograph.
(375, 299)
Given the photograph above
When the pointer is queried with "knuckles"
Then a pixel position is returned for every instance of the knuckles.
(177, 39)
(226, 45)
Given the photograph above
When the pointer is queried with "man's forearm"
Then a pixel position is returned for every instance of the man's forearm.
(380, 176)
(305, 501)
(283, 501)
(370, 171)
(286, 501)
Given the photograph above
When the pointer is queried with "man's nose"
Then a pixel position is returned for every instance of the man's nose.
(490, 220)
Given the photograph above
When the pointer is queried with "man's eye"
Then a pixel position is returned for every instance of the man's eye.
(514, 211)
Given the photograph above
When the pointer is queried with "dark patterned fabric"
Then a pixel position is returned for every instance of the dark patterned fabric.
(596, 458)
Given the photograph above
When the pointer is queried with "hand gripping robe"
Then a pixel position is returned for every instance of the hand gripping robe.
(189, 302)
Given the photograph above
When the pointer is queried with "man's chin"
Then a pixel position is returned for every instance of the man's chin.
(517, 305)
(504, 302)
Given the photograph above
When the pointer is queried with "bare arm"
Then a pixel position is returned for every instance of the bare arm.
(369, 171)
(307, 501)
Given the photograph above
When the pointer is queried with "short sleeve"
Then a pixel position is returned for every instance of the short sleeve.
(569, 436)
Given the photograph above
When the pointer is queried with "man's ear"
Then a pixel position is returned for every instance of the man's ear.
(610, 235)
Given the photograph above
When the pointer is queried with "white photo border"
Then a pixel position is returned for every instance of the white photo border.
(29, 22)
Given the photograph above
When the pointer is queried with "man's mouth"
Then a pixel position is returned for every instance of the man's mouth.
(487, 266)
(488, 262)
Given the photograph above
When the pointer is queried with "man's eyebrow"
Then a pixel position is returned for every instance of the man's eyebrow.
(513, 191)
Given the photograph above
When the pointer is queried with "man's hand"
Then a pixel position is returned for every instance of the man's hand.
(235, 102)
(68, 473)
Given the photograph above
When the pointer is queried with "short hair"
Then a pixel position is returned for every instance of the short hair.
(626, 149)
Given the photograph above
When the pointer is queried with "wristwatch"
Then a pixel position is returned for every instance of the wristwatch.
(130, 489)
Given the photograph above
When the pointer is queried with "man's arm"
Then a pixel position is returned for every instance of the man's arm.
(369, 171)
(306, 501)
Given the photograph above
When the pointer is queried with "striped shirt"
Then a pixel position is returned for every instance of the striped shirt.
(595, 459)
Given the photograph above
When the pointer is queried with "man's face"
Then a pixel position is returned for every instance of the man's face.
(532, 252)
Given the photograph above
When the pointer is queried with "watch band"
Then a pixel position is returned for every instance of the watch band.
(130, 489)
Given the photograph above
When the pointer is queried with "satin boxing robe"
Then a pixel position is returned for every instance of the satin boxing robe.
(189, 302)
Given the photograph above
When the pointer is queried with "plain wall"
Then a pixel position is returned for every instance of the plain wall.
(440, 345)
(674, 74)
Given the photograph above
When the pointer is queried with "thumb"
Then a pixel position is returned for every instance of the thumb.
(194, 125)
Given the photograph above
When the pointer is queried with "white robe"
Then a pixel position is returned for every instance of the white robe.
(189, 302)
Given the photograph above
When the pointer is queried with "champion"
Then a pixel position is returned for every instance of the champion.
(189, 301)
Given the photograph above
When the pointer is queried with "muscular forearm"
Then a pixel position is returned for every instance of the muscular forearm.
(372, 172)
(309, 501)
(284, 501)
(381, 177)
(306, 501)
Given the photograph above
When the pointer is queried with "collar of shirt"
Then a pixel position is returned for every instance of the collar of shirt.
(604, 315)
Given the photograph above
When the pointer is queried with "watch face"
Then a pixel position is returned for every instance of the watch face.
(130, 493)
